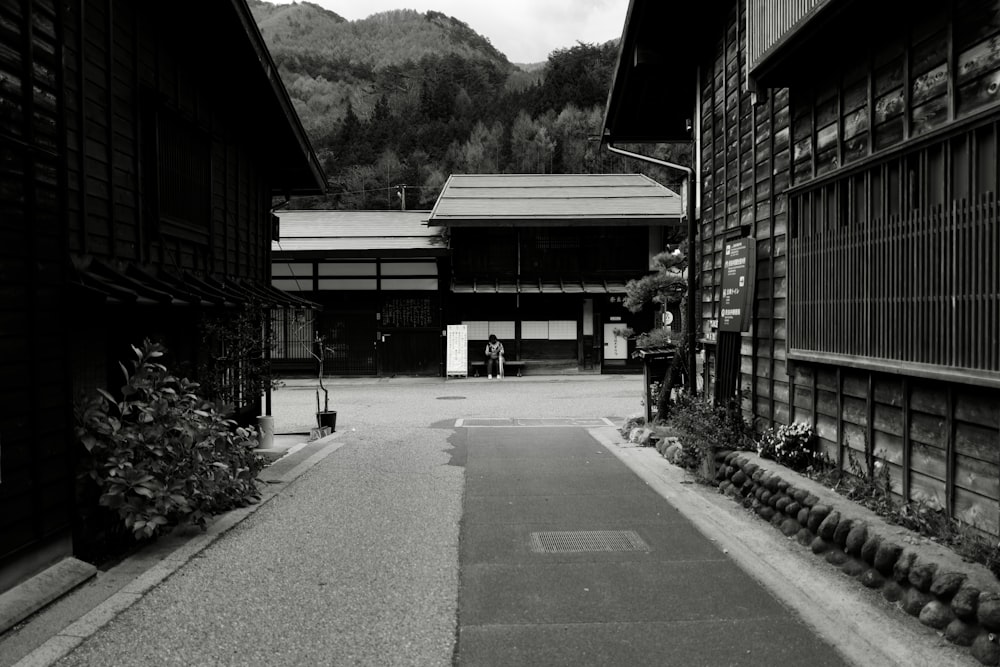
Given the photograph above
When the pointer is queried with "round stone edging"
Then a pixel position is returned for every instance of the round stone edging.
(923, 578)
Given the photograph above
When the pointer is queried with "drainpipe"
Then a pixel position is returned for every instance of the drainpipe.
(691, 230)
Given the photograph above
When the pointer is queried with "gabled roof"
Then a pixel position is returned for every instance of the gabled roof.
(357, 233)
(227, 39)
(654, 90)
(490, 200)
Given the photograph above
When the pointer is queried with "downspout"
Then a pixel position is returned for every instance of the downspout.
(691, 249)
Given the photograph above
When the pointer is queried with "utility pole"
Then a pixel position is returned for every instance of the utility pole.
(401, 191)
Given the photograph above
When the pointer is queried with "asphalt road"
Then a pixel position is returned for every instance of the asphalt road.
(406, 546)
(568, 558)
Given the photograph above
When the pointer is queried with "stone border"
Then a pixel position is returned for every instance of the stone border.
(924, 579)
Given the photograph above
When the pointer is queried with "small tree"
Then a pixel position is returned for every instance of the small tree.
(318, 353)
(666, 287)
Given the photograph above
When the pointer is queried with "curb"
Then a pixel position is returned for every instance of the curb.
(926, 580)
(857, 622)
(277, 477)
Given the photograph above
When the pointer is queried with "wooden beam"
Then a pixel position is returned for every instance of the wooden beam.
(949, 478)
(907, 443)
(109, 130)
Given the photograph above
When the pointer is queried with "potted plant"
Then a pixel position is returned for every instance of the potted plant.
(324, 416)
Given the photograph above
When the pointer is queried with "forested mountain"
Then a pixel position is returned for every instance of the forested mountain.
(404, 98)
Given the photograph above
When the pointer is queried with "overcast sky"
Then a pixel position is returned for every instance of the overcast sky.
(526, 31)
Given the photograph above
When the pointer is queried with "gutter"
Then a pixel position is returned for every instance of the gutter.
(691, 249)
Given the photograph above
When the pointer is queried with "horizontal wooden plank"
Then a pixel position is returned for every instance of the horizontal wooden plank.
(981, 407)
(888, 447)
(826, 403)
(888, 419)
(854, 384)
(976, 510)
(928, 429)
(927, 489)
(855, 437)
(978, 442)
(928, 460)
(826, 427)
(930, 399)
(888, 392)
(977, 476)
(855, 410)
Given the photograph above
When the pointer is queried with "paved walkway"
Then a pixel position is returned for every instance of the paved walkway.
(567, 558)
(356, 559)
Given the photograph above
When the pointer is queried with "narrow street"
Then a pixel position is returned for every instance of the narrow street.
(479, 522)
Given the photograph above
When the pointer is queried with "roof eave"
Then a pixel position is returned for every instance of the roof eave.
(652, 96)
(542, 221)
(308, 176)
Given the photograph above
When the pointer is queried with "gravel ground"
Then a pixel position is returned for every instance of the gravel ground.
(357, 561)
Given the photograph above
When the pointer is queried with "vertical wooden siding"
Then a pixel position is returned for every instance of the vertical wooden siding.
(893, 264)
(36, 491)
(745, 170)
(115, 58)
(769, 21)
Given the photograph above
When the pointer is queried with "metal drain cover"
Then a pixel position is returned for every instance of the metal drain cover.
(582, 541)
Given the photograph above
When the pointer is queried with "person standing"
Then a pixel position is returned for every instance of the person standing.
(494, 357)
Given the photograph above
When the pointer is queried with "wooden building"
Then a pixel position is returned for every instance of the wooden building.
(379, 277)
(541, 261)
(857, 145)
(140, 147)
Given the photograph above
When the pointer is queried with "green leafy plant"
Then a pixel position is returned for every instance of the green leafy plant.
(703, 427)
(792, 445)
(162, 455)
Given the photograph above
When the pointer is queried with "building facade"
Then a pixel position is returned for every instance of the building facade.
(135, 194)
(864, 171)
(541, 261)
(378, 276)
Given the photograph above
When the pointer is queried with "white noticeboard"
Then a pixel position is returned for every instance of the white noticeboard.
(458, 351)
(615, 347)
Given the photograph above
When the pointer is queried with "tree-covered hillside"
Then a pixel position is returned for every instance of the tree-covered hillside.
(403, 98)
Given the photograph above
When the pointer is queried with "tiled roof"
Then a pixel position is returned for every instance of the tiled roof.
(533, 199)
(356, 231)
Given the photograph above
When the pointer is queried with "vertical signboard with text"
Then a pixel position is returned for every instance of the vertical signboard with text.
(458, 350)
(738, 272)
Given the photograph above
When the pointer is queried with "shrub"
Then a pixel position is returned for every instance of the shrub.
(703, 427)
(792, 445)
(161, 455)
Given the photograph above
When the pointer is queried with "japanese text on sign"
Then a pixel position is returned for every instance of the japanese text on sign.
(737, 285)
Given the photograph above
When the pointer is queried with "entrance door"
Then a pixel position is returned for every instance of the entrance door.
(350, 343)
(410, 352)
(615, 347)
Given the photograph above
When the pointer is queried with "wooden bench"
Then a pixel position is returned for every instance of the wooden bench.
(508, 365)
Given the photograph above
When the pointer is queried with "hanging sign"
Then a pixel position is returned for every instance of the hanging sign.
(738, 271)
(458, 350)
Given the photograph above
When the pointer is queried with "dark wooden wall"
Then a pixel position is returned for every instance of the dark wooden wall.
(875, 315)
(560, 252)
(744, 172)
(86, 87)
(36, 470)
(125, 74)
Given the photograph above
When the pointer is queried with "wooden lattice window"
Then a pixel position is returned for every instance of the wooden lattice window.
(184, 171)
(897, 267)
